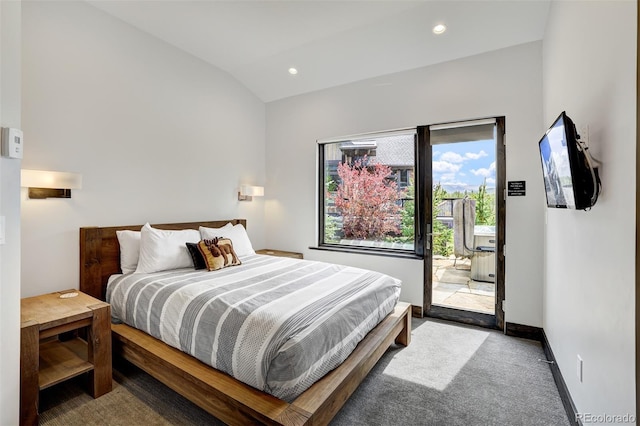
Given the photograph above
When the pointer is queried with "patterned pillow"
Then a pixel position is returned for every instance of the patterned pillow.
(218, 253)
(196, 256)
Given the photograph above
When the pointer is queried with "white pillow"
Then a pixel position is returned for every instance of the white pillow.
(236, 233)
(162, 250)
(228, 225)
(129, 250)
(211, 233)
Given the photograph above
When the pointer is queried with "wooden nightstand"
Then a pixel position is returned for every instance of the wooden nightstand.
(280, 253)
(47, 358)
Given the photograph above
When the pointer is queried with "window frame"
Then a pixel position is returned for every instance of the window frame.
(418, 250)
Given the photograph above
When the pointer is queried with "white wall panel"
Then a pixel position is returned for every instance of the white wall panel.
(10, 64)
(589, 292)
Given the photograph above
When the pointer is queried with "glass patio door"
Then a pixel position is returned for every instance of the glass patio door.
(462, 165)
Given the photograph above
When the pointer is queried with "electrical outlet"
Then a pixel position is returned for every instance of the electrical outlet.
(583, 131)
(579, 368)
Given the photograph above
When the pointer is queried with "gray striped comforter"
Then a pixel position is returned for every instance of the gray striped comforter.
(276, 324)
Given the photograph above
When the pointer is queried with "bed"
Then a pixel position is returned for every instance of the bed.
(229, 399)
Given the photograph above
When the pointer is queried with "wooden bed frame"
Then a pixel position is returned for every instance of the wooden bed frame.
(226, 398)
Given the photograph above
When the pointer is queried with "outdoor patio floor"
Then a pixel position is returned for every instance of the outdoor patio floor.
(454, 288)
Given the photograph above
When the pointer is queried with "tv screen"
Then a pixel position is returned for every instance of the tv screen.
(570, 180)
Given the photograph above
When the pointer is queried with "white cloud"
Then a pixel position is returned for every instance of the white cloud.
(481, 172)
(452, 157)
(491, 171)
(445, 167)
(475, 156)
(491, 181)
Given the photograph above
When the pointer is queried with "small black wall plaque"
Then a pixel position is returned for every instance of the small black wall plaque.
(516, 188)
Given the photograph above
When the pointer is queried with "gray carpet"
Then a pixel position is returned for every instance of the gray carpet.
(451, 374)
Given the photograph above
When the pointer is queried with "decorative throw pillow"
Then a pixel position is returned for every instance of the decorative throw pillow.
(196, 256)
(226, 248)
(218, 253)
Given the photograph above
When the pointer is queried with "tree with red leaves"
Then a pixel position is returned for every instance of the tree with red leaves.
(367, 198)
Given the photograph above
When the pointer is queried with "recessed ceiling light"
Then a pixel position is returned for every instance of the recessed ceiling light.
(439, 29)
(293, 71)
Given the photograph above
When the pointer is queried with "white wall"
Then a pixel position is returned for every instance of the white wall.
(506, 82)
(589, 308)
(157, 135)
(10, 22)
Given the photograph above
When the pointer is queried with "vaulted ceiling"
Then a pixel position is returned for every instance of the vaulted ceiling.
(330, 42)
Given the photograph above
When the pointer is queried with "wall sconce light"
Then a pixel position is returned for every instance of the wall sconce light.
(247, 192)
(44, 184)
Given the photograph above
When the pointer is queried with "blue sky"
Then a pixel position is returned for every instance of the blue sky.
(464, 165)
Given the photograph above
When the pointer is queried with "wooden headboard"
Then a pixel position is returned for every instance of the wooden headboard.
(100, 252)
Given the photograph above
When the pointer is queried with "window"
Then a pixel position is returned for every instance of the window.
(367, 192)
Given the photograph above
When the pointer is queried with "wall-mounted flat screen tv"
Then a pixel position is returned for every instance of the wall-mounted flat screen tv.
(570, 179)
